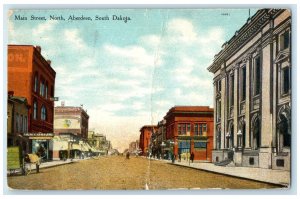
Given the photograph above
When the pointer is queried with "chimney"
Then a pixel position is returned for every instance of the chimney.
(49, 62)
(62, 103)
(38, 48)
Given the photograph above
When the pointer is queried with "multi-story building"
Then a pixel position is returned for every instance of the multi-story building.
(190, 129)
(161, 138)
(252, 93)
(145, 138)
(71, 124)
(31, 76)
(17, 122)
(134, 147)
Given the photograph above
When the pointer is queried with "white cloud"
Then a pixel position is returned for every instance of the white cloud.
(73, 37)
(44, 29)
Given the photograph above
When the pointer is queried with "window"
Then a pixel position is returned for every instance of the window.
(219, 86)
(52, 91)
(196, 130)
(42, 93)
(201, 145)
(243, 84)
(46, 90)
(218, 110)
(183, 128)
(35, 110)
(35, 83)
(285, 40)
(231, 100)
(25, 124)
(257, 72)
(286, 85)
(17, 122)
(199, 129)
(21, 124)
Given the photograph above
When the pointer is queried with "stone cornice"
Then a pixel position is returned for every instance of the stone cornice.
(242, 36)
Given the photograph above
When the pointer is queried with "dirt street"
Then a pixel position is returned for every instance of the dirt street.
(118, 173)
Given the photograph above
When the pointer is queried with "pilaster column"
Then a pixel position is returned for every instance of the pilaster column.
(247, 103)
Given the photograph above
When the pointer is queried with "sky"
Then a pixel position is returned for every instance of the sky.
(129, 73)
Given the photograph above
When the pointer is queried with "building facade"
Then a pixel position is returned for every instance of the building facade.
(71, 126)
(17, 122)
(31, 76)
(145, 138)
(252, 93)
(190, 129)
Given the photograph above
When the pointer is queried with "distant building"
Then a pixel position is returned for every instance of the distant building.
(145, 138)
(134, 147)
(252, 93)
(17, 122)
(159, 140)
(31, 76)
(190, 129)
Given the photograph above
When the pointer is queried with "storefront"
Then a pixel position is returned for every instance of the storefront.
(40, 144)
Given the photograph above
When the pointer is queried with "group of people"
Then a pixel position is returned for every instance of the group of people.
(187, 156)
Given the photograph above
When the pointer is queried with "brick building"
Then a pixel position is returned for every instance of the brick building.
(71, 124)
(31, 76)
(190, 129)
(145, 138)
(252, 93)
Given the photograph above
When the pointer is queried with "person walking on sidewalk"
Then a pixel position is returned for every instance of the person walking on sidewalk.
(192, 157)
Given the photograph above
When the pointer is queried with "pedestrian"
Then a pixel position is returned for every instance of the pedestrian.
(192, 157)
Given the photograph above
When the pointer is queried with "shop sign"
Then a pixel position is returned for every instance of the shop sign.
(39, 134)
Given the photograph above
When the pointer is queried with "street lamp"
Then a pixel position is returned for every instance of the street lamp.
(239, 135)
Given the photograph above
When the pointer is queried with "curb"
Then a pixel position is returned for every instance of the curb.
(282, 185)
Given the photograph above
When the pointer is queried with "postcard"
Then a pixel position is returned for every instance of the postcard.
(149, 99)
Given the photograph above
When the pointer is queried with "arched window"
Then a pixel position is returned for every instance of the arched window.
(43, 113)
(35, 110)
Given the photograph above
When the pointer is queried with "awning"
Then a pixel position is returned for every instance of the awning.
(76, 147)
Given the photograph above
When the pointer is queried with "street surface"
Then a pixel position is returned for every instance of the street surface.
(119, 173)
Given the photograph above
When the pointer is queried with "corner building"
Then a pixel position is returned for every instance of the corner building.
(31, 76)
(190, 129)
(252, 93)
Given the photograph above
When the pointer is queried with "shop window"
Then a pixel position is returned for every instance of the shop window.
(200, 145)
(286, 83)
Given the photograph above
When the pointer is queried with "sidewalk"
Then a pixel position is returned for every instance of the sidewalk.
(278, 177)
